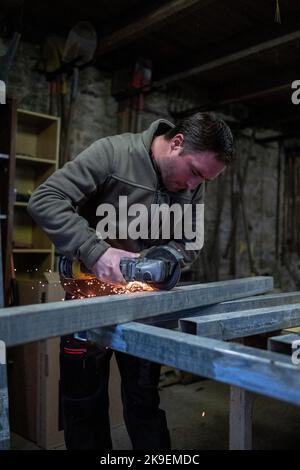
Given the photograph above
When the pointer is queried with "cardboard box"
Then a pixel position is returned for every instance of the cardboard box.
(33, 373)
(34, 291)
(34, 376)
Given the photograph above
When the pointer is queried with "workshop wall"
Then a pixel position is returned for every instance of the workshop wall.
(95, 109)
(95, 116)
(260, 208)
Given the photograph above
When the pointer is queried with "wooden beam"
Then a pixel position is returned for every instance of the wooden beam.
(231, 58)
(232, 325)
(240, 419)
(157, 19)
(255, 95)
(28, 323)
(209, 104)
(259, 301)
(256, 370)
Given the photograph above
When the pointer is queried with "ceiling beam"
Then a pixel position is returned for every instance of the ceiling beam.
(231, 58)
(256, 94)
(287, 121)
(155, 20)
(209, 104)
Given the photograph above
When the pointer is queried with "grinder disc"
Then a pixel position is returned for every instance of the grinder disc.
(167, 253)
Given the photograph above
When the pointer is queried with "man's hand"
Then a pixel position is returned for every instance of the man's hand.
(107, 267)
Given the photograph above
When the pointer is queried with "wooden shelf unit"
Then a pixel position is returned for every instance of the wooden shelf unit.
(37, 157)
(34, 367)
(8, 113)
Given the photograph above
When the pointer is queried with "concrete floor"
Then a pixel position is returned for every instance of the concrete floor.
(198, 420)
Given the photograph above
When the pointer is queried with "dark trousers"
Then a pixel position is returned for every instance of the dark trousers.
(84, 369)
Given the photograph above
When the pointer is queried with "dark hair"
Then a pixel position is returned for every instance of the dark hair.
(203, 131)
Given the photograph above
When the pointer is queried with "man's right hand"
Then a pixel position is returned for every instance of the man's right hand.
(107, 267)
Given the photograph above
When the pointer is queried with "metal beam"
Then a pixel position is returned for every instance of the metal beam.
(231, 58)
(283, 343)
(256, 370)
(1, 269)
(4, 413)
(34, 322)
(259, 301)
(231, 325)
(157, 19)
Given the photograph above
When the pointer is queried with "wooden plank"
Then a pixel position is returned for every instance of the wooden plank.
(240, 419)
(256, 370)
(244, 323)
(34, 322)
(259, 301)
(231, 58)
(159, 18)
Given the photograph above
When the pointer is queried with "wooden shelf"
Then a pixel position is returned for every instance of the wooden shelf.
(32, 250)
(37, 120)
(33, 160)
(37, 149)
(37, 136)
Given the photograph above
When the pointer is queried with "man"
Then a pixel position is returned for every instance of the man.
(164, 164)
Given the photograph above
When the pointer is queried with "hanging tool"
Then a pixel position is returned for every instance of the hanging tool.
(7, 60)
(78, 52)
(62, 61)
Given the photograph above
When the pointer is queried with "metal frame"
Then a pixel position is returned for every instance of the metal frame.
(217, 309)
(4, 420)
(25, 324)
(257, 370)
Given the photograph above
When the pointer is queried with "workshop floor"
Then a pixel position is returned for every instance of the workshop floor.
(198, 420)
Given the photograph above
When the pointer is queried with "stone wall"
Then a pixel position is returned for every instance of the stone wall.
(260, 208)
(95, 111)
(95, 116)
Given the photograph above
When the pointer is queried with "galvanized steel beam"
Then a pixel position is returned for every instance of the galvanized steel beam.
(284, 344)
(29, 323)
(256, 370)
(259, 301)
(232, 325)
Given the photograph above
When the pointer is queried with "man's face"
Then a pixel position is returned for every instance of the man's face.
(189, 170)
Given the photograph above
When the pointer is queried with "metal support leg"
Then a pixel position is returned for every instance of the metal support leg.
(4, 415)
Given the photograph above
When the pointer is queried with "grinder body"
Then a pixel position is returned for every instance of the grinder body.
(160, 268)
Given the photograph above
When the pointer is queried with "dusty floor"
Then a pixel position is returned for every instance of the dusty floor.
(198, 419)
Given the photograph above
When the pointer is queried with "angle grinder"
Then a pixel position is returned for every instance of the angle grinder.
(160, 268)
